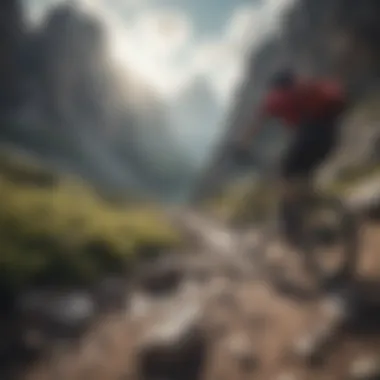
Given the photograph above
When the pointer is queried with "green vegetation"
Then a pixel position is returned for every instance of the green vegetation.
(57, 230)
(243, 203)
(351, 176)
(368, 108)
(247, 203)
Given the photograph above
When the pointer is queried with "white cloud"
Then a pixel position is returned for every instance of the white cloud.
(162, 33)
(146, 42)
(151, 44)
(223, 59)
(221, 62)
(244, 21)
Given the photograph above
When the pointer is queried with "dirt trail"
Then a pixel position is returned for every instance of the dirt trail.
(249, 328)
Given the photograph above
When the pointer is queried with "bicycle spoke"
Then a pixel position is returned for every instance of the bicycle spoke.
(343, 231)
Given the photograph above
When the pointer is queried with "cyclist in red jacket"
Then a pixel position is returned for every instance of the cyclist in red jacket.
(311, 108)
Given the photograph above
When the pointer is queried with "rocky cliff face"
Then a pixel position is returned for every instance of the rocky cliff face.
(339, 37)
(11, 37)
(72, 51)
(329, 37)
(80, 109)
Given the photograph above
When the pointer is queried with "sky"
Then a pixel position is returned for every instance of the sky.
(171, 42)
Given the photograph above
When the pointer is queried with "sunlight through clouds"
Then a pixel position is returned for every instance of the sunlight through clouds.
(154, 41)
(224, 59)
(159, 44)
(245, 21)
(163, 32)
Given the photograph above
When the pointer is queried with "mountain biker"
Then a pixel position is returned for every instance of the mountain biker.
(311, 108)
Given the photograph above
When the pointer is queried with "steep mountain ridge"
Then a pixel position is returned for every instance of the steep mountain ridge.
(76, 106)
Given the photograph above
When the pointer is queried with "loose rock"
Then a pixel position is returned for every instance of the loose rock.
(241, 349)
(314, 347)
(160, 277)
(174, 349)
(57, 314)
(111, 294)
(365, 368)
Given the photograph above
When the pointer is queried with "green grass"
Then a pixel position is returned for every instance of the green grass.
(59, 231)
(352, 176)
(242, 204)
(249, 204)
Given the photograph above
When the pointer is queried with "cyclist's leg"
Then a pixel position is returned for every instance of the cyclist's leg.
(310, 148)
(289, 213)
(291, 188)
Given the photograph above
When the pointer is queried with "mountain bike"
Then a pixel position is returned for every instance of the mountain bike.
(323, 223)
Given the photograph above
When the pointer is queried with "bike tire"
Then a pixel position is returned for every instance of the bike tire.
(347, 231)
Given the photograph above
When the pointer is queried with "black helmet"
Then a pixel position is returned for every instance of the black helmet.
(283, 78)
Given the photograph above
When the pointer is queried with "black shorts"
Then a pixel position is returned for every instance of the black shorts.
(313, 142)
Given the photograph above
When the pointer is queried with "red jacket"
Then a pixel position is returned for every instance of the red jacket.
(308, 100)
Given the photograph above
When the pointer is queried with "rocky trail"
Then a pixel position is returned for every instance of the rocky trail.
(210, 313)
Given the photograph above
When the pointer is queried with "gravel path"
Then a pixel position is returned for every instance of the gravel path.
(218, 318)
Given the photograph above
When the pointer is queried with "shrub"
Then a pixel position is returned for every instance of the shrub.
(65, 232)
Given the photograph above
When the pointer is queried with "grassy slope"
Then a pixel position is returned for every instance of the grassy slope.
(56, 230)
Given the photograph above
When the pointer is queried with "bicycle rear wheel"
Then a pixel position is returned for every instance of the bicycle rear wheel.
(328, 239)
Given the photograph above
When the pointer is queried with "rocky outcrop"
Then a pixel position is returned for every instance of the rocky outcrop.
(72, 53)
(339, 37)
